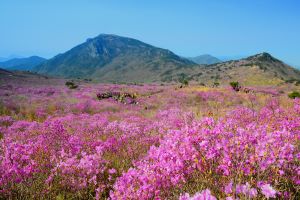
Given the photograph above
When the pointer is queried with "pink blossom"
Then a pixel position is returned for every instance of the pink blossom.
(203, 195)
(268, 191)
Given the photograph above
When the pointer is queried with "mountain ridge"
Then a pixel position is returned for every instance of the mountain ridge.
(22, 63)
(112, 58)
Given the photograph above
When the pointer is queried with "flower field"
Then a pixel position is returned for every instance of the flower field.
(194, 142)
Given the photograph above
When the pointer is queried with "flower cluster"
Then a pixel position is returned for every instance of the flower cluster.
(239, 147)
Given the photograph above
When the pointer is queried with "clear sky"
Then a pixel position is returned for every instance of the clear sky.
(186, 27)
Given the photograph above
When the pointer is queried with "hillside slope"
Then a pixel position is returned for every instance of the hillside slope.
(260, 69)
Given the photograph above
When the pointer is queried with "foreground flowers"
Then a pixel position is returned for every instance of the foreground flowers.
(255, 147)
(133, 152)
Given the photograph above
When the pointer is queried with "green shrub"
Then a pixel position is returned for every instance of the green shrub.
(185, 82)
(71, 85)
(216, 84)
(294, 95)
(290, 81)
(235, 85)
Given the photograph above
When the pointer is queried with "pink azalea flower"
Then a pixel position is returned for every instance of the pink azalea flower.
(112, 171)
(268, 191)
(228, 188)
(204, 195)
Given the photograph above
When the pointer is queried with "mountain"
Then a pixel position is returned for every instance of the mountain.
(205, 59)
(260, 69)
(229, 58)
(115, 58)
(3, 59)
(22, 63)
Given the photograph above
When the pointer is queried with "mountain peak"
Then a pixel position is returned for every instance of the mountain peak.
(264, 56)
(113, 42)
(109, 35)
(105, 36)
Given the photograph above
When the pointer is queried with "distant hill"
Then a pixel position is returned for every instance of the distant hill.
(115, 58)
(205, 59)
(3, 59)
(260, 69)
(229, 58)
(22, 63)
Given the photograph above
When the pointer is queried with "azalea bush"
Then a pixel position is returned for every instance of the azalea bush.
(245, 154)
(191, 143)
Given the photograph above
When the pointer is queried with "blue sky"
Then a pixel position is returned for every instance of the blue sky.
(188, 28)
